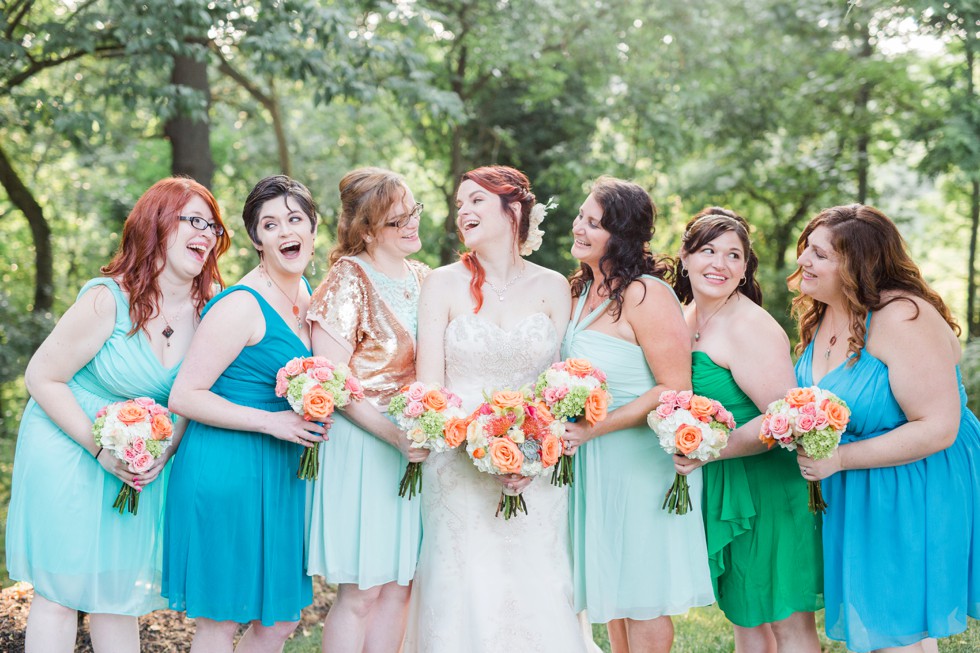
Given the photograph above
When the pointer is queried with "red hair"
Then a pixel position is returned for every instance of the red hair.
(510, 185)
(143, 249)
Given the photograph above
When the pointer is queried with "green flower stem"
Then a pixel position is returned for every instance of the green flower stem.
(817, 504)
(511, 505)
(678, 497)
(411, 481)
(564, 472)
(309, 463)
(127, 499)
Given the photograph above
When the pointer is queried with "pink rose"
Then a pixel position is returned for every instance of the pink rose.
(668, 397)
(805, 422)
(321, 374)
(102, 412)
(414, 408)
(138, 445)
(560, 366)
(821, 420)
(319, 362)
(281, 383)
(141, 463)
(561, 392)
(725, 418)
(549, 395)
(684, 399)
(129, 455)
(416, 391)
(354, 386)
(665, 410)
(485, 409)
(778, 425)
(157, 409)
(454, 400)
(145, 402)
(599, 375)
(294, 367)
(809, 409)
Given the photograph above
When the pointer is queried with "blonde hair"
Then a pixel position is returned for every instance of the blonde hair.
(366, 196)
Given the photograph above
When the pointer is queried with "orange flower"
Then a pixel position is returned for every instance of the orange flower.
(542, 413)
(578, 366)
(317, 404)
(506, 456)
(837, 415)
(497, 426)
(455, 431)
(308, 364)
(550, 451)
(479, 453)
(132, 413)
(687, 438)
(799, 396)
(507, 399)
(596, 405)
(434, 400)
(161, 427)
(701, 408)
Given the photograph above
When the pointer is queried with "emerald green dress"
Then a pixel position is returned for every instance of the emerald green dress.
(764, 546)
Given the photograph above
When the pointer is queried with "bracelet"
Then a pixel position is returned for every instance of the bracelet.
(97, 453)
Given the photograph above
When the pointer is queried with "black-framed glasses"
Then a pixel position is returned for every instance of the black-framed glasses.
(201, 224)
(402, 221)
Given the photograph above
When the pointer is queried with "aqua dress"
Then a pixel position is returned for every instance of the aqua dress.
(63, 535)
(631, 559)
(763, 543)
(901, 544)
(235, 508)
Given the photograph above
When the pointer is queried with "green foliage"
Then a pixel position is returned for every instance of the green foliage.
(970, 369)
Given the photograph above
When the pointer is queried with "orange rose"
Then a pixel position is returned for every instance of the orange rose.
(308, 364)
(550, 451)
(701, 408)
(837, 415)
(687, 438)
(578, 366)
(479, 453)
(132, 413)
(455, 431)
(542, 413)
(506, 456)
(161, 427)
(799, 396)
(507, 399)
(434, 400)
(317, 404)
(596, 405)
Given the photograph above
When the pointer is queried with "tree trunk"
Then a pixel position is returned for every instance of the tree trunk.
(449, 239)
(972, 316)
(22, 198)
(863, 119)
(190, 139)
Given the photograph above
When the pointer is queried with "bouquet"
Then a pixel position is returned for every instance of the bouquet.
(137, 432)
(693, 426)
(813, 417)
(314, 387)
(433, 420)
(572, 389)
(512, 433)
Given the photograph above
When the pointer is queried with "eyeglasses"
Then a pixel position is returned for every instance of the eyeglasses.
(402, 221)
(201, 224)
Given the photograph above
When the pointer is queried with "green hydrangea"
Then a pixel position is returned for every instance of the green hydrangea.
(820, 444)
(431, 422)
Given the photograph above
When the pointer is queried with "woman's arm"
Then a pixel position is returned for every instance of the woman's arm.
(434, 306)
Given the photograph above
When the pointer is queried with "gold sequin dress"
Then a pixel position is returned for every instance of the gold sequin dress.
(360, 531)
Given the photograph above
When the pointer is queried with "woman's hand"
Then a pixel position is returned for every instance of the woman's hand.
(817, 470)
(150, 475)
(118, 468)
(287, 425)
(684, 465)
(577, 434)
(414, 454)
(514, 482)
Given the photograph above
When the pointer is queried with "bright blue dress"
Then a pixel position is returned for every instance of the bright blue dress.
(630, 558)
(901, 544)
(63, 535)
(234, 519)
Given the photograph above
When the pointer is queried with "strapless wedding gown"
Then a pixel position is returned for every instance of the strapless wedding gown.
(485, 584)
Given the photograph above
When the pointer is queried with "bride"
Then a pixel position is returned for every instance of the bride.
(491, 321)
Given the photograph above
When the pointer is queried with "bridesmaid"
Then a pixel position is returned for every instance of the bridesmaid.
(901, 535)
(763, 543)
(124, 337)
(235, 508)
(634, 564)
(362, 535)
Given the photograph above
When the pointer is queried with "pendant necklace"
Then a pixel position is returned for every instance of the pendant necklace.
(697, 332)
(833, 341)
(272, 282)
(501, 292)
(169, 330)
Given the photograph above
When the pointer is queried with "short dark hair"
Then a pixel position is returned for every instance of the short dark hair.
(269, 189)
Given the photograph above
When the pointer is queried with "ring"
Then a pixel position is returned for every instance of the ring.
(805, 470)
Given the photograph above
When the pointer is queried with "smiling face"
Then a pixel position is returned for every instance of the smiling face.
(481, 219)
(284, 237)
(717, 267)
(398, 236)
(820, 267)
(187, 247)
(590, 238)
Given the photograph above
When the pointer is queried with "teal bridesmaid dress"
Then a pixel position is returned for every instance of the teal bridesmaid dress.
(63, 535)
(631, 559)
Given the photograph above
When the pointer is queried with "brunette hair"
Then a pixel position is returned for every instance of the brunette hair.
(704, 227)
(143, 250)
(366, 196)
(628, 214)
(874, 259)
(510, 185)
(271, 188)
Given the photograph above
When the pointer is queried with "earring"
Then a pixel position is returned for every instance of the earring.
(313, 263)
(742, 282)
(683, 271)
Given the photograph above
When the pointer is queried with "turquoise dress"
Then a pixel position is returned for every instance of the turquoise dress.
(763, 543)
(63, 535)
(901, 544)
(234, 520)
(631, 559)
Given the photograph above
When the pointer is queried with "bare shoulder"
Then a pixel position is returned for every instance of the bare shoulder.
(238, 305)
(547, 277)
(447, 275)
(753, 328)
(649, 294)
(910, 324)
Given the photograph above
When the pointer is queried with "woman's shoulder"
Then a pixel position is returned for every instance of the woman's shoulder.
(649, 288)
(450, 273)
(753, 326)
(541, 274)
(239, 301)
(903, 312)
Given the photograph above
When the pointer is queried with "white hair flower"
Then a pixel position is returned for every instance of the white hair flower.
(534, 233)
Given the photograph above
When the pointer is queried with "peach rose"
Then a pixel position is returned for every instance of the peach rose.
(161, 427)
(506, 456)
(293, 367)
(455, 431)
(837, 415)
(778, 425)
(799, 396)
(132, 413)
(805, 423)
(702, 408)
(145, 402)
(687, 438)
(317, 404)
(539, 411)
(434, 400)
(507, 399)
(307, 364)
(141, 463)
(550, 451)
(683, 399)
(578, 366)
(479, 453)
(355, 388)
(596, 405)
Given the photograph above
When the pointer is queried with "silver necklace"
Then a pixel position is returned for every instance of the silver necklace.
(697, 332)
(500, 292)
(169, 330)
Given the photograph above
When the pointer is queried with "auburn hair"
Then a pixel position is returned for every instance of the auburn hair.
(366, 196)
(142, 252)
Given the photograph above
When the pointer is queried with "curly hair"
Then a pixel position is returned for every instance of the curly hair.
(874, 259)
(628, 214)
(510, 185)
(708, 224)
(366, 196)
(142, 252)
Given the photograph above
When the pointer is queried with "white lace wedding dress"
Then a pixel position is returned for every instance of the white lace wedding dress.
(485, 584)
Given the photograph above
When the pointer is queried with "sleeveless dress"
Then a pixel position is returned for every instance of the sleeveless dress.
(631, 559)
(63, 535)
(235, 508)
(901, 544)
(359, 530)
(485, 584)
(763, 543)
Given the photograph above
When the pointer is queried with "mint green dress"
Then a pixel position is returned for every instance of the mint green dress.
(763, 543)
(631, 559)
